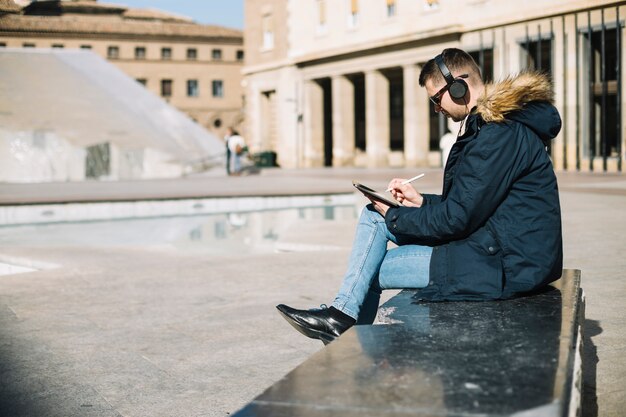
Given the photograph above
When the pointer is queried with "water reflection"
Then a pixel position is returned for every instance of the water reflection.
(241, 232)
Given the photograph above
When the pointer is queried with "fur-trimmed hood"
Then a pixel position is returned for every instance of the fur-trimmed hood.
(526, 98)
(512, 94)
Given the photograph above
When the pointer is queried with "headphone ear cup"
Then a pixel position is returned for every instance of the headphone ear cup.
(458, 89)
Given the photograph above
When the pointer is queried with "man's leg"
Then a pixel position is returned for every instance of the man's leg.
(236, 164)
(368, 252)
(228, 157)
(406, 266)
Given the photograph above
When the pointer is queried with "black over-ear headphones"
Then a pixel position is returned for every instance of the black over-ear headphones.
(457, 86)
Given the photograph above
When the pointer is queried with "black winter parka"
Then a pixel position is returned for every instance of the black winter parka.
(496, 227)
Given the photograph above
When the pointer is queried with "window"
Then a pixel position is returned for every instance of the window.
(192, 54)
(538, 54)
(268, 32)
(391, 8)
(240, 55)
(57, 46)
(192, 88)
(113, 52)
(140, 52)
(218, 88)
(321, 15)
(166, 53)
(216, 54)
(85, 47)
(353, 17)
(142, 81)
(484, 59)
(431, 4)
(602, 137)
(28, 45)
(166, 88)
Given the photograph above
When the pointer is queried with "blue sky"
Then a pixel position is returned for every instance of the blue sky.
(227, 13)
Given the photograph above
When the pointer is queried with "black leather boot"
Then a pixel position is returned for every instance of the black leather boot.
(322, 323)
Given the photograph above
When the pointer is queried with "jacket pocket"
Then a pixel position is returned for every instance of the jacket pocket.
(534, 255)
(483, 240)
(476, 266)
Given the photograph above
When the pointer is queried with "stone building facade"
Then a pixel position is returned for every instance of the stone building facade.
(335, 82)
(196, 68)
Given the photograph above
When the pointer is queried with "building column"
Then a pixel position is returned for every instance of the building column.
(343, 121)
(560, 92)
(376, 119)
(416, 124)
(313, 124)
(252, 121)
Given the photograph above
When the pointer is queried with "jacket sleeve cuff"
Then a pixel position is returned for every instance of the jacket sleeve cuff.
(430, 199)
(391, 219)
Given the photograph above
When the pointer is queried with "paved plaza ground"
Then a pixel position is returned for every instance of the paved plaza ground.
(142, 328)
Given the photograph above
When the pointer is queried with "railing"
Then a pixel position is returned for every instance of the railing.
(582, 51)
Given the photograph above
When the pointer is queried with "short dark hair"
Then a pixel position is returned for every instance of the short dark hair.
(456, 60)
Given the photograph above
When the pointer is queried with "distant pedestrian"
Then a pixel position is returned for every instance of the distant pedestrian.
(229, 133)
(236, 147)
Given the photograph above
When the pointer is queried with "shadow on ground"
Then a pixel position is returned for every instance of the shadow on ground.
(590, 361)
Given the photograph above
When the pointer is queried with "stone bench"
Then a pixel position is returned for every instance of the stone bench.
(517, 357)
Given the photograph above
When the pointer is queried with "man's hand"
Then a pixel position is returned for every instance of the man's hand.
(380, 207)
(405, 193)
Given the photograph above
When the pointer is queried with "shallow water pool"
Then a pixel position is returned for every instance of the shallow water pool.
(235, 231)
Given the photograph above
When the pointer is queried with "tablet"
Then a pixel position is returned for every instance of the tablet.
(375, 195)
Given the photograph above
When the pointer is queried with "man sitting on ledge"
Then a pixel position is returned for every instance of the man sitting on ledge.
(493, 233)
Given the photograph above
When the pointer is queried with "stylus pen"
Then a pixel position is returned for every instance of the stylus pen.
(410, 180)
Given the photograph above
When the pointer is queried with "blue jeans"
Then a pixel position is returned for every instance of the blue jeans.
(373, 268)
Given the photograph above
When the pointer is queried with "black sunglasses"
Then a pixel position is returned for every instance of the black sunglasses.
(436, 99)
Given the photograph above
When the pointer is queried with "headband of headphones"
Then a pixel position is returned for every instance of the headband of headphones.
(457, 86)
(444, 69)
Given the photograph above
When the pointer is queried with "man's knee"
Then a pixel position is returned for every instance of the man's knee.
(370, 212)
